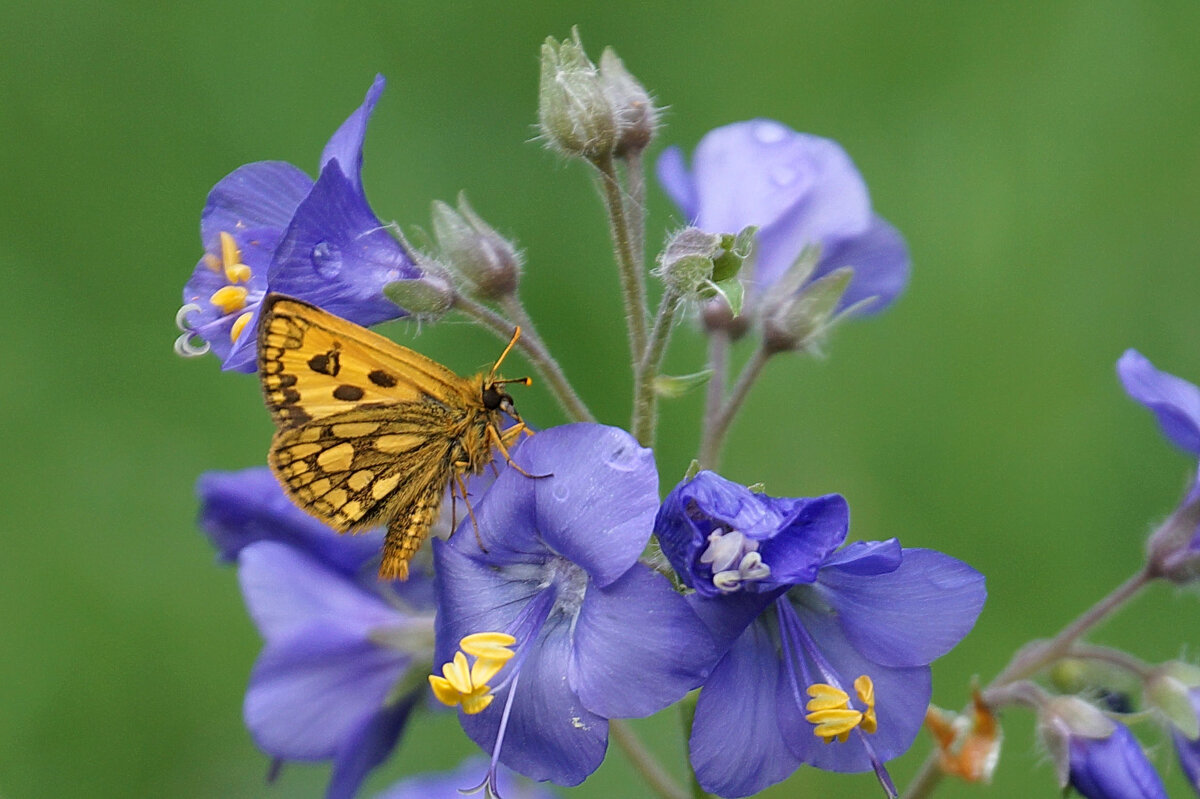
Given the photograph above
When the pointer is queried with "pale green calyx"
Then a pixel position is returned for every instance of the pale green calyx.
(427, 297)
(488, 264)
(1169, 691)
(574, 111)
(635, 114)
(802, 321)
(672, 386)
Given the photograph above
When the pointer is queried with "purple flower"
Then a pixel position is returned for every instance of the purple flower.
(1112, 767)
(268, 227)
(827, 652)
(449, 785)
(1173, 400)
(330, 683)
(799, 190)
(575, 631)
(1188, 749)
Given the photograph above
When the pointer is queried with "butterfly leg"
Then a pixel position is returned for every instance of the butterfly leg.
(499, 439)
(461, 484)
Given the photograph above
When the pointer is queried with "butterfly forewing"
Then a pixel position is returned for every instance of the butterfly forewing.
(369, 432)
(313, 364)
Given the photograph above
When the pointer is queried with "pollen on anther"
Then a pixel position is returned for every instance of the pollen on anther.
(239, 325)
(229, 298)
(231, 259)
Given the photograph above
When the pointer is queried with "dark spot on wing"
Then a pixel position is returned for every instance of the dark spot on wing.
(348, 393)
(382, 378)
(327, 363)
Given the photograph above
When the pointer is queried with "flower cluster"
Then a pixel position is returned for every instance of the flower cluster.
(571, 596)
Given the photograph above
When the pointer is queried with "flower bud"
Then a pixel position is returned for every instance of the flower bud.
(686, 263)
(574, 112)
(1174, 691)
(1173, 551)
(472, 249)
(803, 320)
(636, 116)
(428, 296)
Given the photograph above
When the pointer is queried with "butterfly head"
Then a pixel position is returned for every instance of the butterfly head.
(494, 397)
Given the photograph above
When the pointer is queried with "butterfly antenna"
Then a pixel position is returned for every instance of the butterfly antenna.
(511, 343)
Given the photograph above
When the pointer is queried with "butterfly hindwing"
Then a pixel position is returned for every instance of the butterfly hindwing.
(314, 364)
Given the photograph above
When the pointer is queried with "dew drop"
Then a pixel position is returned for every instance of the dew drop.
(768, 132)
(783, 175)
(624, 459)
(327, 259)
(561, 492)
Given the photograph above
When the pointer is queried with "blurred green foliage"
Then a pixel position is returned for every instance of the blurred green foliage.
(1042, 159)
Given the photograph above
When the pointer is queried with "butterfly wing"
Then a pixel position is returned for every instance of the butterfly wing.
(313, 364)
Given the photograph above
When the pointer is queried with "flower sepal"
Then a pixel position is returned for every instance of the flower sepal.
(803, 321)
(1170, 691)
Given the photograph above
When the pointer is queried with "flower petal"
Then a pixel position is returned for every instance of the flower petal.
(312, 690)
(239, 508)
(263, 194)
(638, 647)
(677, 182)
(901, 696)
(881, 265)
(367, 746)
(816, 528)
(287, 591)
(550, 734)
(1175, 401)
(1113, 768)
(910, 616)
(337, 254)
(736, 747)
(346, 144)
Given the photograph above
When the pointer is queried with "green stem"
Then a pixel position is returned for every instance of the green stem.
(645, 409)
(643, 762)
(530, 344)
(718, 362)
(717, 426)
(635, 182)
(1034, 657)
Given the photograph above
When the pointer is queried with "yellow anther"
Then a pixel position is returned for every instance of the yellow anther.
(231, 260)
(239, 325)
(830, 712)
(212, 262)
(466, 685)
(229, 298)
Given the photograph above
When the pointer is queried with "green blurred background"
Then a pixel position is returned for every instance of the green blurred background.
(1043, 161)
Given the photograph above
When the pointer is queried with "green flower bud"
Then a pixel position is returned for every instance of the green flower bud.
(487, 262)
(636, 116)
(574, 111)
(686, 263)
(427, 297)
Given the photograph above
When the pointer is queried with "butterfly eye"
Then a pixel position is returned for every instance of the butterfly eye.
(493, 397)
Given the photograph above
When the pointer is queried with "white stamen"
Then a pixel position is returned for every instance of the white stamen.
(181, 316)
(734, 559)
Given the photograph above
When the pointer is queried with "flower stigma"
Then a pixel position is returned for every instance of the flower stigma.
(467, 684)
(734, 560)
(830, 712)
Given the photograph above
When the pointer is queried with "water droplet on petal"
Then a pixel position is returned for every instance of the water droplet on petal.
(783, 175)
(561, 492)
(768, 132)
(327, 259)
(624, 458)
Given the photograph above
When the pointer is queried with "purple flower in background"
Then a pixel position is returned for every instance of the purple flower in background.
(575, 631)
(827, 651)
(1174, 401)
(449, 785)
(799, 190)
(1187, 749)
(268, 227)
(337, 643)
(1112, 767)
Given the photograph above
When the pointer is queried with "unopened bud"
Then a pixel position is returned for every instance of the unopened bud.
(427, 297)
(573, 109)
(1173, 551)
(636, 116)
(803, 320)
(1066, 718)
(488, 263)
(1174, 691)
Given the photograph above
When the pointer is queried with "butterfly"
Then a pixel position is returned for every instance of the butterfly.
(370, 432)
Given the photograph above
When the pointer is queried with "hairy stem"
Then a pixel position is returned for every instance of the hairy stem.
(717, 425)
(635, 182)
(1034, 657)
(652, 772)
(530, 344)
(645, 408)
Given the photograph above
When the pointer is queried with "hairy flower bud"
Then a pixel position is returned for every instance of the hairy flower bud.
(636, 116)
(429, 296)
(574, 111)
(472, 249)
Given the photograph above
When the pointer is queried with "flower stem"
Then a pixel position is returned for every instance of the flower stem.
(652, 772)
(633, 282)
(530, 344)
(716, 423)
(645, 409)
(1032, 658)
(635, 183)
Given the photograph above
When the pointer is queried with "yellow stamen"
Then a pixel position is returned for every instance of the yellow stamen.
(231, 259)
(212, 262)
(466, 685)
(239, 325)
(229, 298)
(830, 712)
